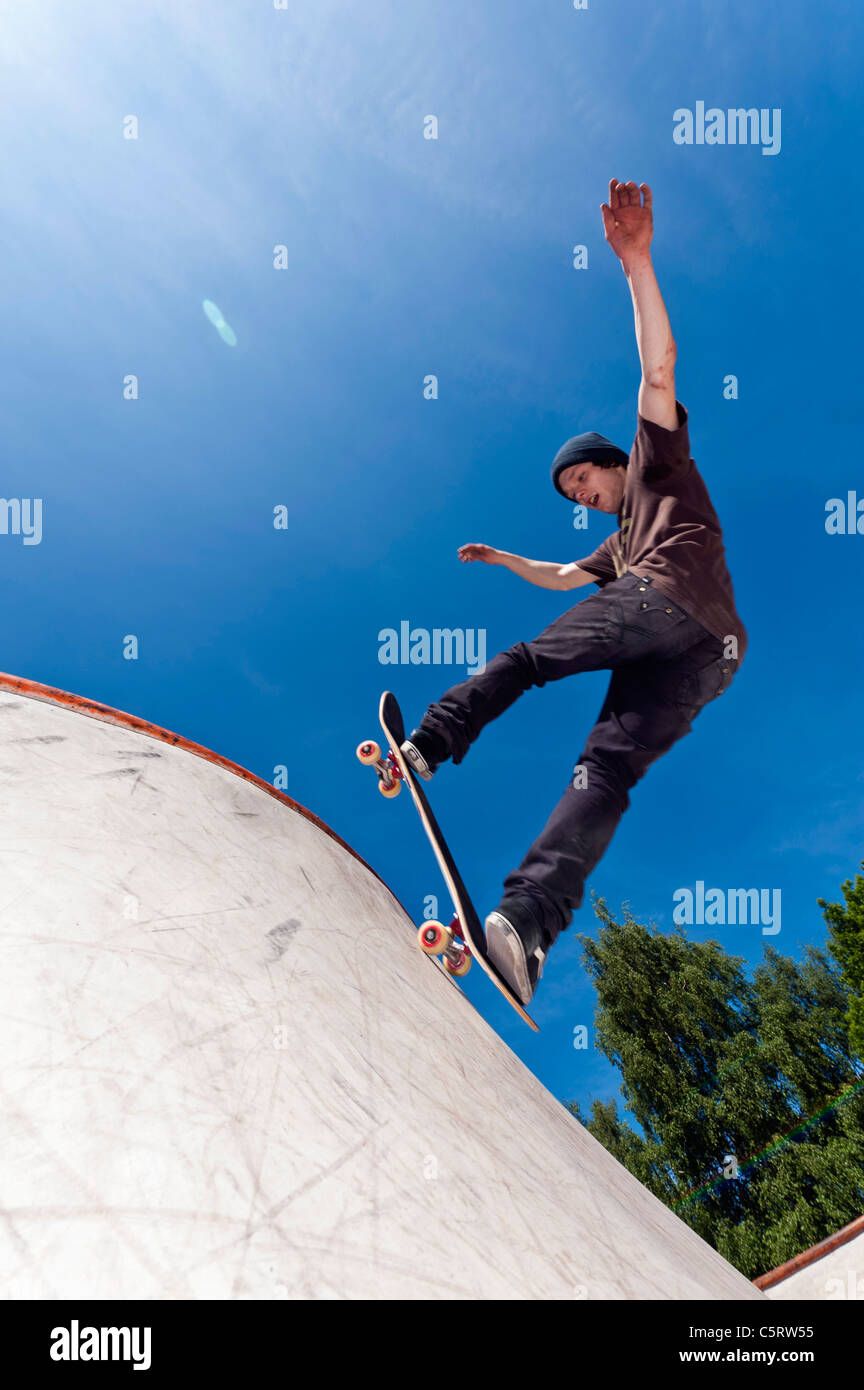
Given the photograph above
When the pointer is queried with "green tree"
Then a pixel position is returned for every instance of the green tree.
(846, 942)
(746, 1093)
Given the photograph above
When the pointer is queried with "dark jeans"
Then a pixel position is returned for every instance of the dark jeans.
(665, 668)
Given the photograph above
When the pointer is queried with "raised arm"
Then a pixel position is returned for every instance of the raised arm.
(547, 574)
(628, 225)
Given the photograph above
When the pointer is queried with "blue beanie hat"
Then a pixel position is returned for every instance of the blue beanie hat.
(582, 448)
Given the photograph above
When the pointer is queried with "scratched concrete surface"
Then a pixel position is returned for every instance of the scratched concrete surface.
(222, 1065)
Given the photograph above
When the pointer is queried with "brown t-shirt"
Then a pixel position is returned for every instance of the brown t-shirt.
(669, 530)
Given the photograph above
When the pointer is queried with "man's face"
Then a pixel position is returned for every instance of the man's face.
(601, 489)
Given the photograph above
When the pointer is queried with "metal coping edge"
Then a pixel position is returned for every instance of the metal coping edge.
(809, 1257)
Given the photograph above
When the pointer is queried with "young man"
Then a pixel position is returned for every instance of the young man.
(663, 621)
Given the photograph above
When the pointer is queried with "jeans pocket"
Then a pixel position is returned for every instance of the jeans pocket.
(698, 688)
(649, 615)
(614, 619)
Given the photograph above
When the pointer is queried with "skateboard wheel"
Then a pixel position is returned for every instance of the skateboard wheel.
(368, 752)
(393, 790)
(457, 967)
(434, 937)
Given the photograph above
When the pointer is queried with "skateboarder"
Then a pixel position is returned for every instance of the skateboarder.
(663, 621)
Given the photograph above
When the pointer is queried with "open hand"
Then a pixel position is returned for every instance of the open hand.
(628, 222)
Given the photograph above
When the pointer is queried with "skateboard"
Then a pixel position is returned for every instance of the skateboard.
(464, 939)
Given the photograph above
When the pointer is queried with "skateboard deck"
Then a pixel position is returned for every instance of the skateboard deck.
(466, 929)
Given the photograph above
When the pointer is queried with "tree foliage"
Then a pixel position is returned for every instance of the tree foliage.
(748, 1097)
(846, 936)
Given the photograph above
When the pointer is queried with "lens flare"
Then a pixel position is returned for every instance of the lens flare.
(214, 314)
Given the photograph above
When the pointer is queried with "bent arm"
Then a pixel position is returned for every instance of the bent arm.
(547, 574)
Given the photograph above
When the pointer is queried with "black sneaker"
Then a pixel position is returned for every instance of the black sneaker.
(518, 955)
(424, 753)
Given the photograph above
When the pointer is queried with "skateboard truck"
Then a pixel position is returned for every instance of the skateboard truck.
(388, 769)
(448, 942)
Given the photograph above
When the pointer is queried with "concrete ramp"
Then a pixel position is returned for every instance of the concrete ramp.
(222, 1060)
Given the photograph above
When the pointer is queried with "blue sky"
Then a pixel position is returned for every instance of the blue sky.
(407, 257)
